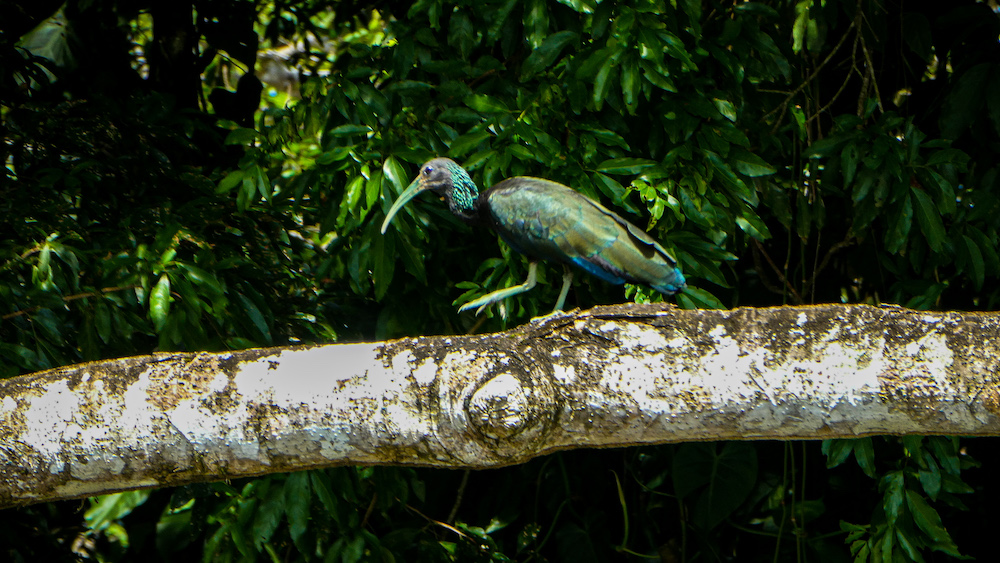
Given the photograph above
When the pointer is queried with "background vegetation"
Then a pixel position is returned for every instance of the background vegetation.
(158, 196)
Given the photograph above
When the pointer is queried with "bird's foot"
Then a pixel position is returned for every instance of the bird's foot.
(553, 315)
(501, 294)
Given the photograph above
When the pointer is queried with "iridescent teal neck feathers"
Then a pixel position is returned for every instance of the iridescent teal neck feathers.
(445, 177)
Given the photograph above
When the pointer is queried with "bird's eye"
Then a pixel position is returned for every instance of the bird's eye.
(428, 170)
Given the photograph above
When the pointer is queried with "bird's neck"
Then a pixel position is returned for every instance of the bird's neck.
(465, 208)
(463, 201)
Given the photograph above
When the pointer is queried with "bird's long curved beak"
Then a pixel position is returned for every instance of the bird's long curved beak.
(412, 191)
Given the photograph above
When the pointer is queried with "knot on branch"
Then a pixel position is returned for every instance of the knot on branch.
(499, 408)
(512, 409)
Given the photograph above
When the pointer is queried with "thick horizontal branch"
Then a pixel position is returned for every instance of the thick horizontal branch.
(609, 376)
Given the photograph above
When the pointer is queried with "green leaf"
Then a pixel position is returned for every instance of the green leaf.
(159, 302)
(268, 515)
(242, 136)
(892, 498)
(678, 50)
(106, 509)
(991, 261)
(749, 164)
(730, 179)
(460, 115)
(297, 501)
(625, 165)
(929, 522)
(485, 104)
(976, 264)
(756, 9)
(467, 142)
(413, 261)
(602, 82)
(837, 451)
(255, 315)
(536, 22)
(461, 33)
(908, 547)
(547, 53)
(900, 220)
(395, 173)
(715, 481)
(827, 147)
(929, 219)
(946, 203)
(102, 321)
(956, 157)
(376, 185)
(930, 476)
(349, 129)
(319, 486)
(697, 298)
(231, 180)
(630, 85)
(849, 164)
(964, 103)
(751, 224)
(656, 76)
(864, 453)
(944, 450)
(726, 108)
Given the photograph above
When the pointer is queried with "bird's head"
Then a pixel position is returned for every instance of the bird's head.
(446, 178)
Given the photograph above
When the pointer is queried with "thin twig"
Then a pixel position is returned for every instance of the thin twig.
(848, 241)
(854, 68)
(69, 298)
(458, 496)
(763, 278)
(813, 74)
(439, 523)
(871, 72)
(759, 248)
(371, 507)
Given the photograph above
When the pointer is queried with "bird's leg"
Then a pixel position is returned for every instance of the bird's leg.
(500, 295)
(567, 280)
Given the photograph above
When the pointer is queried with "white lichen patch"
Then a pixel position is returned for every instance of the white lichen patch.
(932, 347)
(425, 373)
(638, 336)
(925, 364)
(565, 374)
(212, 434)
(312, 401)
(47, 416)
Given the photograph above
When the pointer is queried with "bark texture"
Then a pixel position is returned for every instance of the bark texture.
(609, 376)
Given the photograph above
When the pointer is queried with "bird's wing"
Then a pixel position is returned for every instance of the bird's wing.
(550, 221)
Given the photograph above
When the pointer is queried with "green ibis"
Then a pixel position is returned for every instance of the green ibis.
(545, 220)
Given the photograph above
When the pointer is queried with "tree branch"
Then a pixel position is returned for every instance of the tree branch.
(609, 376)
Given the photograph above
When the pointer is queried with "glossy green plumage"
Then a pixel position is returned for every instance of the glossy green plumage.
(546, 220)
(550, 221)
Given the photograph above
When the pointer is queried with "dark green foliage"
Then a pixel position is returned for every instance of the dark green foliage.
(785, 151)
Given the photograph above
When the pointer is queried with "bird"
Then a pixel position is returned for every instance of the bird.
(546, 220)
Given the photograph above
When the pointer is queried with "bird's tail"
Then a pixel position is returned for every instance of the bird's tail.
(673, 283)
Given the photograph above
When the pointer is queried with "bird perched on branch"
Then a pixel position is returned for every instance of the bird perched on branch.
(545, 220)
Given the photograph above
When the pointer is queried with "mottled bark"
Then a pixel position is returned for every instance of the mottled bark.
(609, 376)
